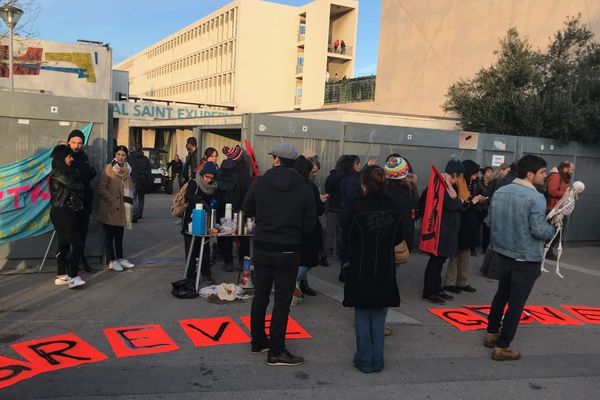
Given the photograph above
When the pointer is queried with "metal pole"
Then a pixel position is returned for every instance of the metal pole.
(47, 250)
(10, 60)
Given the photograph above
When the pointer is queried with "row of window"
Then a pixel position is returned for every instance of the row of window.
(195, 32)
(193, 86)
(192, 59)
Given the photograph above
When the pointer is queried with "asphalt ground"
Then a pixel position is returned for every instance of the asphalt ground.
(426, 358)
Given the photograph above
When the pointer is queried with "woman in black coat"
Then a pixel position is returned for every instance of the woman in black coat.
(374, 228)
(66, 198)
(312, 242)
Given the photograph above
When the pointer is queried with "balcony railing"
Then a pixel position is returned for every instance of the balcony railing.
(344, 51)
(299, 69)
(301, 37)
(350, 90)
(297, 100)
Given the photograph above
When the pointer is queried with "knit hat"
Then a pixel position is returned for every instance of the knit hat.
(78, 133)
(232, 153)
(209, 168)
(454, 165)
(396, 168)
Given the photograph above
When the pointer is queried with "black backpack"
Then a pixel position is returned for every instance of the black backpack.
(184, 289)
(229, 184)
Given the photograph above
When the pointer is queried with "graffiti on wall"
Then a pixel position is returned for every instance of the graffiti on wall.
(31, 62)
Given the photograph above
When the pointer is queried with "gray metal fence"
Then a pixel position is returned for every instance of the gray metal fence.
(424, 147)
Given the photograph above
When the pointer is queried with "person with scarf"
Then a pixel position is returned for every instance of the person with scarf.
(457, 278)
(448, 235)
(66, 199)
(116, 207)
(201, 190)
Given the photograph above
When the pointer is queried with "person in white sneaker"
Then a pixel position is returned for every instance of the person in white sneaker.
(66, 198)
(116, 204)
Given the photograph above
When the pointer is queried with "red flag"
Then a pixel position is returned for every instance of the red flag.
(432, 215)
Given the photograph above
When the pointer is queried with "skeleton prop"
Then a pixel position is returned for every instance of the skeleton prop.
(564, 207)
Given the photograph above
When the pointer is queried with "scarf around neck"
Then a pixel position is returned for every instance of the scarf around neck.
(205, 187)
(123, 172)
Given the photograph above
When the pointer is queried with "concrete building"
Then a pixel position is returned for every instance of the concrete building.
(425, 46)
(252, 55)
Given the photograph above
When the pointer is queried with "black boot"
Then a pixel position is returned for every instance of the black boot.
(86, 265)
(303, 285)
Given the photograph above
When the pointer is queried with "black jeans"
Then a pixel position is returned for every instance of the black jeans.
(69, 241)
(279, 269)
(205, 265)
(226, 245)
(433, 275)
(113, 240)
(140, 195)
(515, 284)
(82, 219)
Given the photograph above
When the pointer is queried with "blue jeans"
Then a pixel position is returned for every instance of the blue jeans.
(369, 326)
(303, 273)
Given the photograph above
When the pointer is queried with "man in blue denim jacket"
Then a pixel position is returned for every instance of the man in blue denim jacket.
(519, 229)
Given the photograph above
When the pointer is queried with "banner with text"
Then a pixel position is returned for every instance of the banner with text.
(25, 196)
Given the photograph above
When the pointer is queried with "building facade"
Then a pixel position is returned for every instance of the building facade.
(426, 46)
(252, 55)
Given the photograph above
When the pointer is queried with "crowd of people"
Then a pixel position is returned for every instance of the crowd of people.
(370, 212)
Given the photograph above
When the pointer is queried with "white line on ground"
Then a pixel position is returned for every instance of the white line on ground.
(336, 293)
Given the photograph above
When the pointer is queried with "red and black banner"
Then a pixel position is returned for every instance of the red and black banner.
(432, 214)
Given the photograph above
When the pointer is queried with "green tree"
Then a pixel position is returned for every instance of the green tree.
(526, 92)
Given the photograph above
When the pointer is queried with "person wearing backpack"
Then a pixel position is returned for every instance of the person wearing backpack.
(233, 181)
(201, 190)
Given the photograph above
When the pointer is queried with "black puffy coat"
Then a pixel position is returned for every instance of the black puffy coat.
(141, 172)
(374, 228)
(312, 242)
(402, 195)
(333, 188)
(84, 173)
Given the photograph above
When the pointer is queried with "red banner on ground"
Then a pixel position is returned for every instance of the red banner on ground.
(485, 310)
(13, 371)
(461, 318)
(432, 215)
(213, 331)
(293, 331)
(550, 316)
(590, 315)
(58, 352)
(128, 341)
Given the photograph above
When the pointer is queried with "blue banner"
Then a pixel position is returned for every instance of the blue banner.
(25, 196)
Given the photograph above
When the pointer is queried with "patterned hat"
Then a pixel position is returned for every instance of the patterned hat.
(232, 153)
(396, 168)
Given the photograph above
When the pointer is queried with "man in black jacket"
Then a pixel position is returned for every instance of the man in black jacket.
(141, 173)
(83, 173)
(284, 207)
(191, 160)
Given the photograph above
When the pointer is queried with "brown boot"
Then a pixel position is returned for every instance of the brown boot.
(490, 339)
(387, 331)
(500, 354)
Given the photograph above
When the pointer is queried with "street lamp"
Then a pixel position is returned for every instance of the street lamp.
(11, 15)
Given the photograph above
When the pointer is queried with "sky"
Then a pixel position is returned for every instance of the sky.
(132, 25)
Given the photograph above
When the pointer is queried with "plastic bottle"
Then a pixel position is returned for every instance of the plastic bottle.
(199, 220)
(228, 211)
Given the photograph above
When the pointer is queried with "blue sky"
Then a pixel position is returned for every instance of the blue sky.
(132, 25)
